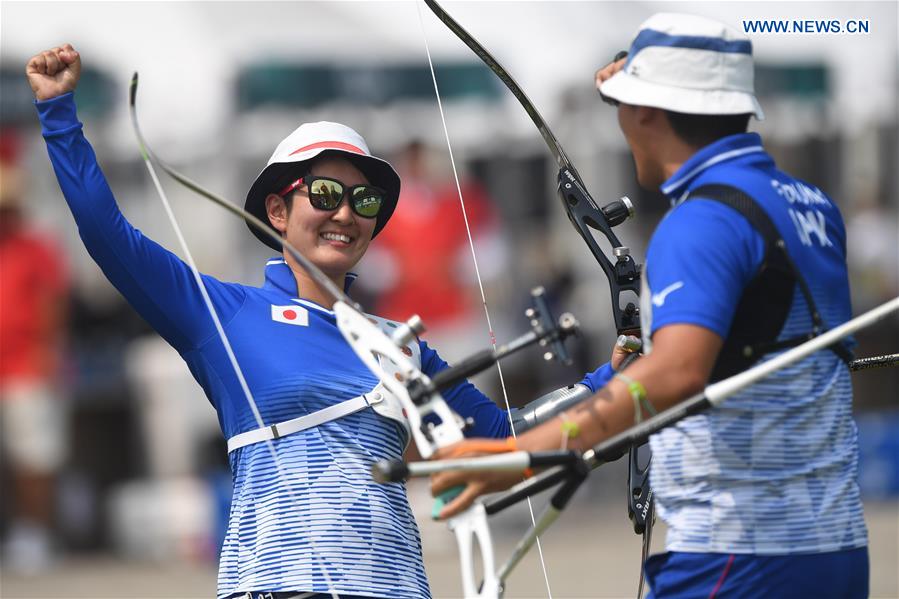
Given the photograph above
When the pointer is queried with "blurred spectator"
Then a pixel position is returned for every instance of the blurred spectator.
(873, 252)
(34, 288)
(426, 257)
(873, 255)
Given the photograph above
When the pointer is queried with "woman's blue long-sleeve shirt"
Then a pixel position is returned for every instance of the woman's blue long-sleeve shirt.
(310, 519)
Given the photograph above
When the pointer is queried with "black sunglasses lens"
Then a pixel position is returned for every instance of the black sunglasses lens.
(325, 194)
(367, 201)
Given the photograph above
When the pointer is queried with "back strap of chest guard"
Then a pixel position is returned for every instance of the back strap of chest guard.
(765, 303)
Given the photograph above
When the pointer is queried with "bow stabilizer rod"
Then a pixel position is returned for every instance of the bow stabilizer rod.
(885, 361)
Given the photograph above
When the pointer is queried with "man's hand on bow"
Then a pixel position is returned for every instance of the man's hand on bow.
(54, 72)
(622, 349)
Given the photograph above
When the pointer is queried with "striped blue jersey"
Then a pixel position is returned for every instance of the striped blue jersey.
(309, 517)
(773, 469)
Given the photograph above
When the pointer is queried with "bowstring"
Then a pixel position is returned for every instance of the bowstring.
(474, 259)
(148, 157)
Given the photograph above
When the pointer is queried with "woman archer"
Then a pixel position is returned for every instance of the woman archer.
(308, 520)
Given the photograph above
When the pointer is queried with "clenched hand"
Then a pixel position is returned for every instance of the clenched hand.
(54, 72)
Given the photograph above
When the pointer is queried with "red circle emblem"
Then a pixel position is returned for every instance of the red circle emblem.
(289, 314)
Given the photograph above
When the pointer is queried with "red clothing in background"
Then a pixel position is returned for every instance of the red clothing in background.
(425, 237)
(34, 284)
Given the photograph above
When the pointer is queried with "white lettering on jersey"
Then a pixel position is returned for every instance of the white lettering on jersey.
(799, 193)
(809, 223)
(294, 315)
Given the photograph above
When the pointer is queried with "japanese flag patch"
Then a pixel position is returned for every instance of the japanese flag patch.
(291, 315)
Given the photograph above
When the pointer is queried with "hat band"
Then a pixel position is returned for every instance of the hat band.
(651, 37)
(332, 145)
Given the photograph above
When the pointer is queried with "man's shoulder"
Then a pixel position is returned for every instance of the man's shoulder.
(702, 222)
(765, 184)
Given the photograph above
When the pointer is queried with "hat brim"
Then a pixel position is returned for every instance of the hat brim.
(628, 89)
(378, 172)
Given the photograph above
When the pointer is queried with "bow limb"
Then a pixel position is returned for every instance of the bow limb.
(582, 210)
(586, 216)
(468, 526)
(366, 339)
(398, 374)
(473, 522)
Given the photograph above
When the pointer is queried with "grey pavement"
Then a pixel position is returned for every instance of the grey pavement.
(591, 551)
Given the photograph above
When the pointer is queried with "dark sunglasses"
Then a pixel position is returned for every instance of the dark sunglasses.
(607, 99)
(326, 194)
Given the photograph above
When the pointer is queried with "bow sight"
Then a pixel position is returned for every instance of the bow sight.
(545, 331)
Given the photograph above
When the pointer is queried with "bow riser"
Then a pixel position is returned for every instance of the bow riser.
(397, 373)
(469, 526)
(375, 349)
(624, 274)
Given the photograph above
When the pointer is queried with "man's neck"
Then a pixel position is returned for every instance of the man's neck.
(678, 153)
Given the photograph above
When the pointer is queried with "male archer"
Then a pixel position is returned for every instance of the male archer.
(759, 494)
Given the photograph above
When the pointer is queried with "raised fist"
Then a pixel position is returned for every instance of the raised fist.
(54, 72)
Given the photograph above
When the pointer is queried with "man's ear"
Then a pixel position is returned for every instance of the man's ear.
(654, 124)
(647, 115)
(276, 209)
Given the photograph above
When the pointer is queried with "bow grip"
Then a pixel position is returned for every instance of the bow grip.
(444, 498)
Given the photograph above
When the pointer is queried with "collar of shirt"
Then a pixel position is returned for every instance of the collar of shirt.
(743, 147)
(278, 276)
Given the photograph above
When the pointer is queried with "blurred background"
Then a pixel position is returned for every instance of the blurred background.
(128, 498)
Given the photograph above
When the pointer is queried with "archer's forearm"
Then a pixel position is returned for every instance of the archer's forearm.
(155, 281)
(677, 368)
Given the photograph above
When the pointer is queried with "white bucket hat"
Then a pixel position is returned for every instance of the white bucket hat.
(308, 141)
(688, 64)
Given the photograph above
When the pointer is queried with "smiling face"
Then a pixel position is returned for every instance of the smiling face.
(333, 240)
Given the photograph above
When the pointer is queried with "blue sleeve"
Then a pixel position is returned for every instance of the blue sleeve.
(465, 400)
(599, 378)
(156, 282)
(699, 260)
